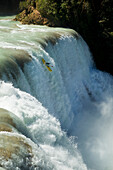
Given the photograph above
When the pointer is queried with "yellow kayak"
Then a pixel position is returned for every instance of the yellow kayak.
(44, 62)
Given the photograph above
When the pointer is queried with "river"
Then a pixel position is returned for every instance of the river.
(60, 119)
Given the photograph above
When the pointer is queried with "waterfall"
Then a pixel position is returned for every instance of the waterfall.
(64, 117)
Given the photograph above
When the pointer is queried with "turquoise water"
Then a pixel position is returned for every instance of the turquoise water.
(67, 112)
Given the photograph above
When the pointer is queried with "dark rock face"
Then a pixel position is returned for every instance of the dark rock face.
(9, 7)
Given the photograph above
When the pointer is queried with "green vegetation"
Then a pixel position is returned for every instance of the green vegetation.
(25, 4)
(92, 19)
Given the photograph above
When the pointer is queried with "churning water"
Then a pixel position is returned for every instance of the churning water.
(67, 112)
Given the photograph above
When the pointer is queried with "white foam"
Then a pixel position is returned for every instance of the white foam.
(75, 96)
(44, 128)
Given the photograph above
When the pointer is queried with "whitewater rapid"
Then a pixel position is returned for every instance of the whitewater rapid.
(67, 112)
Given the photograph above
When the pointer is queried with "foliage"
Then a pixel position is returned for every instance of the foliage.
(25, 4)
